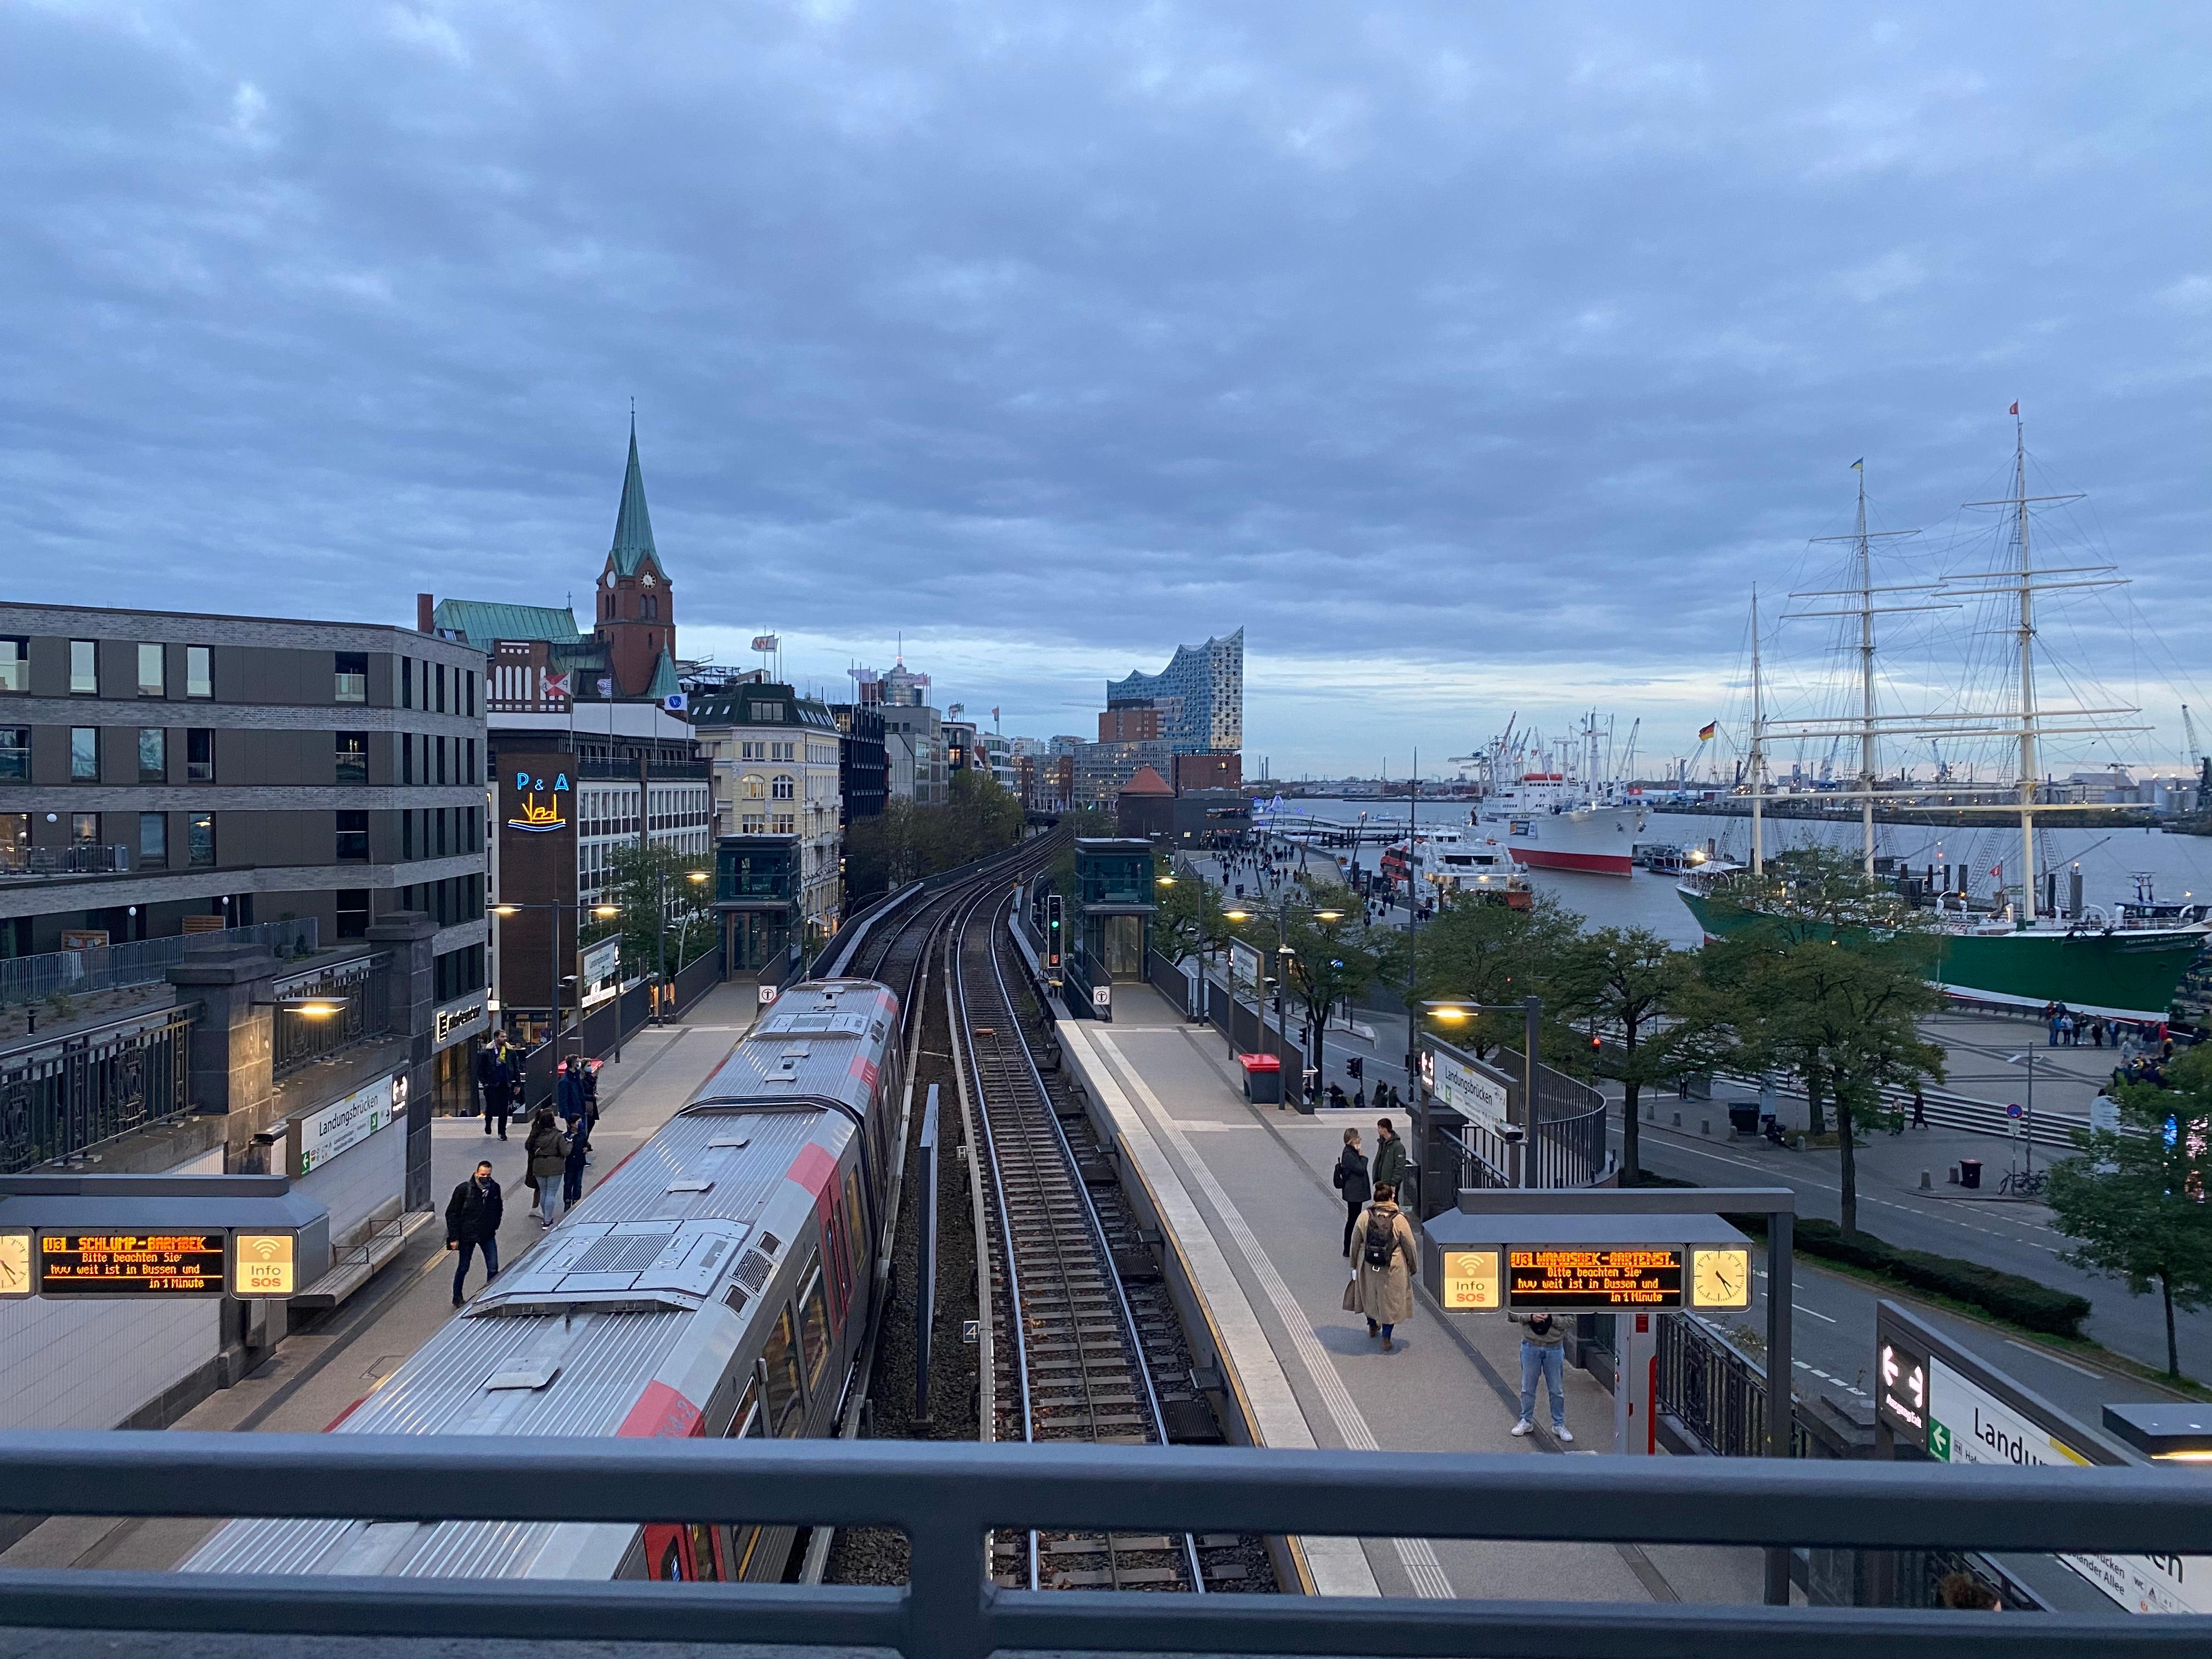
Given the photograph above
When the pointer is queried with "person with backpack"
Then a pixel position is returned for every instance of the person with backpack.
(547, 1150)
(1543, 1354)
(1351, 1178)
(1383, 1270)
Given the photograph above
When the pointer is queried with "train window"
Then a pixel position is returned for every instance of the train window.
(672, 1562)
(856, 1239)
(814, 1332)
(704, 1567)
(748, 1423)
(780, 1358)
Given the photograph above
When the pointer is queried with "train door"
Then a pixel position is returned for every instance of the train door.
(814, 1341)
(742, 1545)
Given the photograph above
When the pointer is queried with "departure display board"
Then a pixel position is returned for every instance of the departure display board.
(1584, 1280)
(132, 1264)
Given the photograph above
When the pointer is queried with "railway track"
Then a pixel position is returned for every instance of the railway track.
(1088, 1347)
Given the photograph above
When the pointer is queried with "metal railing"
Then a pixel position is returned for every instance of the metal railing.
(300, 1039)
(65, 1094)
(78, 858)
(948, 1497)
(145, 962)
(1716, 1391)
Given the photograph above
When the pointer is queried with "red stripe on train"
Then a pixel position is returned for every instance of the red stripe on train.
(814, 1169)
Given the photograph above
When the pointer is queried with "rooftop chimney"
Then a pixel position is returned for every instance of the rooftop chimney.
(425, 607)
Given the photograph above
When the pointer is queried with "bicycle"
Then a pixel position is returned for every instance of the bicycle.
(2022, 1183)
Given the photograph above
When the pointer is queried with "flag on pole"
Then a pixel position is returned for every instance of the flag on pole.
(1859, 465)
(1997, 870)
(2014, 410)
(556, 686)
(1705, 733)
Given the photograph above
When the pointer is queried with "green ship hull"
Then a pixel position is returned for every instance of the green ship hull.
(2132, 975)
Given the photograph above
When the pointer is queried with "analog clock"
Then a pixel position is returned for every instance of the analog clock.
(15, 1264)
(1720, 1277)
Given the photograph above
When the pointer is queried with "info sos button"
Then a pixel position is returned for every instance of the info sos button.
(264, 1264)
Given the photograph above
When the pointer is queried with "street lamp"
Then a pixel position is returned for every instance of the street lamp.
(553, 964)
(1453, 1009)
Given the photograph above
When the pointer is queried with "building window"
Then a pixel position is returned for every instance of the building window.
(755, 825)
(755, 786)
(14, 841)
(153, 755)
(650, 608)
(352, 678)
(353, 838)
(442, 743)
(407, 682)
(84, 668)
(199, 839)
(84, 754)
(199, 680)
(153, 841)
(15, 665)
(153, 674)
(442, 687)
(785, 786)
(352, 757)
(15, 754)
(785, 825)
(752, 751)
(199, 755)
(353, 909)
(84, 828)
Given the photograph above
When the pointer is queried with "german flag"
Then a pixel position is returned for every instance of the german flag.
(1705, 733)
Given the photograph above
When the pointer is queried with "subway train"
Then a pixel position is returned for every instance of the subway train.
(721, 1280)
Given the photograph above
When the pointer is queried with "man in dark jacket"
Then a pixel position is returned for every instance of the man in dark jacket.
(568, 1097)
(473, 1218)
(572, 1173)
(1389, 1158)
(492, 1082)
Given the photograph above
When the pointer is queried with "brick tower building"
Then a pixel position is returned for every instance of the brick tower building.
(636, 614)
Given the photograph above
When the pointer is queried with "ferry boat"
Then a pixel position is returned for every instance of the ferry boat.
(2022, 945)
(1448, 862)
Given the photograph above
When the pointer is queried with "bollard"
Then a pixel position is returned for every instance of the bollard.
(1926, 1184)
(1951, 1175)
(1678, 1119)
(1705, 1126)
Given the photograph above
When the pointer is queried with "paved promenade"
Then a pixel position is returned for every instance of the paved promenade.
(1246, 1192)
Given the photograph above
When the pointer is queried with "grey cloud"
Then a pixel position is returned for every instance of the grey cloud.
(1422, 338)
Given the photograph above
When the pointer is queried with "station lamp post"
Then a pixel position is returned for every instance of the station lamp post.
(697, 878)
(1284, 957)
(1531, 1009)
(553, 962)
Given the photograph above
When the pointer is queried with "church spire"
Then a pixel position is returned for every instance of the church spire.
(633, 525)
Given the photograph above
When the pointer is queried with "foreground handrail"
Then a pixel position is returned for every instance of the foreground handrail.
(946, 1497)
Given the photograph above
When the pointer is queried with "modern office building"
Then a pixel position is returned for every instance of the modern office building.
(1199, 696)
(777, 758)
(863, 768)
(1102, 768)
(168, 773)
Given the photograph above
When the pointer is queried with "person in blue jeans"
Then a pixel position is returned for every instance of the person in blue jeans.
(473, 1218)
(1543, 1354)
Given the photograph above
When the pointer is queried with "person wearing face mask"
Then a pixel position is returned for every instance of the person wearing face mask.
(1543, 1354)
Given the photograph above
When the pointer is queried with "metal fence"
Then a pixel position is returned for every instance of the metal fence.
(146, 962)
(65, 1095)
(947, 1498)
(1716, 1391)
(365, 1012)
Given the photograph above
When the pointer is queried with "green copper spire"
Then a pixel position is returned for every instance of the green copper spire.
(633, 525)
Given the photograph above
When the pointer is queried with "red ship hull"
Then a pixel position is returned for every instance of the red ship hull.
(1553, 858)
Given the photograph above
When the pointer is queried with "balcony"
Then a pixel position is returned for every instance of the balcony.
(80, 859)
(946, 1498)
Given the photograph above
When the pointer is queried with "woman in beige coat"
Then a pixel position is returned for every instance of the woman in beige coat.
(1385, 1262)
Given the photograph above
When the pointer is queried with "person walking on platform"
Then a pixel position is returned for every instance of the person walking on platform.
(1389, 1158)
(1351, 1178)
(569, 1093)
(473, 1218)
(1543, 1354)
(491, 1080)
(572, 1172)
(547, 1150)
(1383, 1266)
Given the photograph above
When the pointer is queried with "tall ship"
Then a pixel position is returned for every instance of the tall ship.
(1562, 805)
(2022, 940)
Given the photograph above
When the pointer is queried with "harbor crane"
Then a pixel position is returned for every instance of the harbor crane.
(2196, 753)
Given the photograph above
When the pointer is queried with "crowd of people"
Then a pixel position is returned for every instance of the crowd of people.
(556, 1149)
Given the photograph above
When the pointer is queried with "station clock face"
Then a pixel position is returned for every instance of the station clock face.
(15, 1264)
(1720, 1277)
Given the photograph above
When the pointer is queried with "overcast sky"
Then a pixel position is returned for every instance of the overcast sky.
(1472, 359)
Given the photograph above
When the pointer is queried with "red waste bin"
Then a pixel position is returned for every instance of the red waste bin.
(1263, 1079)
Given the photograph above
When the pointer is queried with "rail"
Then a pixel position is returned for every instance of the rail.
(141, 962)
(64, 1095)
(301, 1038)
(946, 1497)
(1716, 1391)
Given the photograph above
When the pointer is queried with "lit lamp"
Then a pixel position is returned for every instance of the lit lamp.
(314, 1007)
(1455, 1009)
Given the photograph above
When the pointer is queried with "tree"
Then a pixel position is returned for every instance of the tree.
(1841, 1012)
(1330, 960)
(652, 887)
(905, 842)
(1488, 953)
(2134, 1199)
(1647, 994)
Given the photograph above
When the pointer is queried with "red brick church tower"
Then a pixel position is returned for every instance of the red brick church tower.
(636, 612)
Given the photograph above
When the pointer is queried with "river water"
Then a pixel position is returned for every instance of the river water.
(2179, 866)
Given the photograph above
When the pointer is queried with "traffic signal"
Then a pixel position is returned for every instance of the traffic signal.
(1052, 919)
(1356, 1067)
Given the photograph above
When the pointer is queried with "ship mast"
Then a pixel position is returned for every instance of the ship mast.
(1867, 776)
(1758, 741)
(2026, 675)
